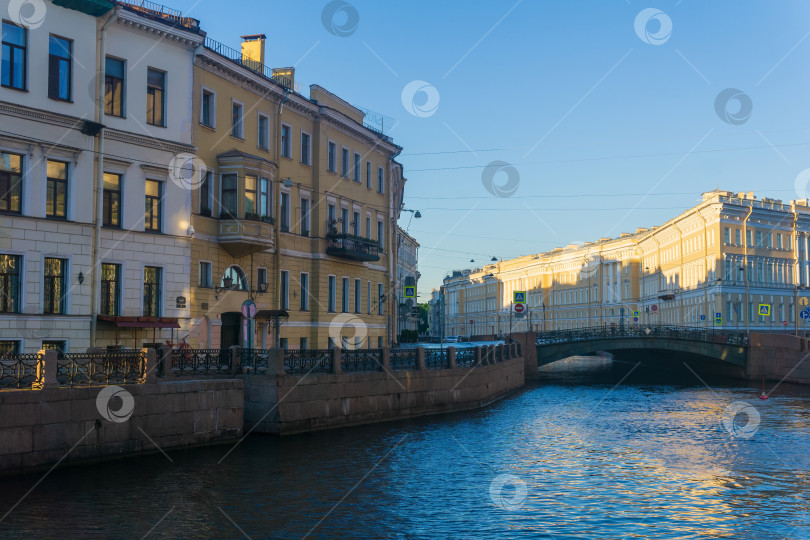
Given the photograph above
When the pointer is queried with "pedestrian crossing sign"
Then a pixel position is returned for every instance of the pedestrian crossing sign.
(765, 309)
(718, 321)
(635, 313)
(519, 297)
(410, 292)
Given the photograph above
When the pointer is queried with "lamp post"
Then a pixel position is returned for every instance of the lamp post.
(747, 301)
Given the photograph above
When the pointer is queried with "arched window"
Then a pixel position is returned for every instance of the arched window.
(235, 278)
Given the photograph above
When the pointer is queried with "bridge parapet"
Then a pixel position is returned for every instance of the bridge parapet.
(689, 333)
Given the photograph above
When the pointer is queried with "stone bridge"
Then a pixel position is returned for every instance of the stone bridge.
(649, 342)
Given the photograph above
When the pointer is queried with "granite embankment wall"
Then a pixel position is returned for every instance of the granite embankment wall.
(52, 424)
(779, 357)
(285, 404)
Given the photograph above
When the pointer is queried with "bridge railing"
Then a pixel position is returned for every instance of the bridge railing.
(709, 335)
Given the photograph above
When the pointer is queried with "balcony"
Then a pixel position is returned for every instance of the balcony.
(355, 248)
(242, 237)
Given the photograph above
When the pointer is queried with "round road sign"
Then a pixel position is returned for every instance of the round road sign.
(520, 308)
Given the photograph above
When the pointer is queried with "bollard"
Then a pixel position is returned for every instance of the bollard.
(149, 366)
(236, 359)
(46, 369)
(420, 358)
(275, 363)
(386, 359)
(336, 358)
(451, 358)
(164, 361)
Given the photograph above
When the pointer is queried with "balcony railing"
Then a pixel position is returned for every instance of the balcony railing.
(236, 57)
(241, 237)
(352, 247)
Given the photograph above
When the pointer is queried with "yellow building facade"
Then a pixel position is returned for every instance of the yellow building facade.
(294, 205)
(714, 265)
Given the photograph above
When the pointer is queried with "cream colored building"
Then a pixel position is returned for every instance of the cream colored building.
(295, 202)
(714, 265)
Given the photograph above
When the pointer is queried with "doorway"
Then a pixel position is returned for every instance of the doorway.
(230, 329)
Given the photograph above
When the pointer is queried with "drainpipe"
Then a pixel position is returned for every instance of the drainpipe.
(745, 272)
(98, 200)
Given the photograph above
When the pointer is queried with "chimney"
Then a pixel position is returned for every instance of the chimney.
(253, 52)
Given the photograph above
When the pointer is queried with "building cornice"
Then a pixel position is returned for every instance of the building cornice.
(150, 142)
(41, 116)
(158, 31)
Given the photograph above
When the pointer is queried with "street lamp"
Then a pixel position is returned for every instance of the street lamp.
(414, 214)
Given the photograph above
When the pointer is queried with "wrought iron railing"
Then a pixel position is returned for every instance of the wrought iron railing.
(162, 13)
(100, 369)
(304, 361)
(236, 57)
(436, 358)
(19, 370)
(710, 335)
(348, 244)
(255, 360)
(465, 357)
(402, 359)
(357, 360)
(200, 362)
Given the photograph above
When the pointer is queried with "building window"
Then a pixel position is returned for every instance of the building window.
(10, 283)
(14, 52)
(379, 342)
(779, 241)
(110, 288)
(154, 197)
(205, 274)
(53, 298)
(151, 291)
(229, 203)
(331, 157)
(379, 299)
(368, 174)
(356, 169)
(727, 235)
(155, 97)
(236, 120)
(205, 194)
(380, 180)
(768, 241)
(208, 108)
(738, 237)
(303, 343)
(368, 228)
(59, 68)
(748, 238)
(114, 87)
(332, 292)
(10, 183)
(344, 162)
(261, 279)
(759, 238)
(286, 149)
(305, 217)
(265, 198)
(344, 220)
(305, 142)
(285, 212)
(344, 298)
(380, 233)
(250, 196)
(356, 223)
(285, 289)
(9, 346)
(236, 277)
(358, 294)
(284, 343)
(304, 292)
(331, 219)
(112, 200)
(60, 346)
(263, 139)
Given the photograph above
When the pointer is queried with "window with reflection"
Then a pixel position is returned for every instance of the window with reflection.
(229, 195)
(53, 299)
(56, 190)
(112, 200)
(250, 195)
(110, 288)
(234, 278)
(10, 283)
(10, 182)
(151, 291)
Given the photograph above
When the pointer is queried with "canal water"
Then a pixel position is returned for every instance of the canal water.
(593, 451)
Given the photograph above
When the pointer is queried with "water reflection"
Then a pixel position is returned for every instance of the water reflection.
(647, 458)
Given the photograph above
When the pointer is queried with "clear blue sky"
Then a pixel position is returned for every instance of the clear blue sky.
(628, 132)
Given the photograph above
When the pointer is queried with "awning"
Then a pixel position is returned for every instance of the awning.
(139, 322)
(271, 314)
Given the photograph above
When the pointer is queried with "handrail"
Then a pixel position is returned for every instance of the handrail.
(710, 335)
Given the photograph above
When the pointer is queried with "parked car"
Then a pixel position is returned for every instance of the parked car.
(451, 339)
